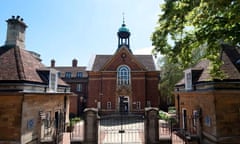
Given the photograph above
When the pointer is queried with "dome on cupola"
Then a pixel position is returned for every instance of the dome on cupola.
(123, 36)
(123, 31)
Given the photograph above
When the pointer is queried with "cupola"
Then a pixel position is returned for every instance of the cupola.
(123, 36)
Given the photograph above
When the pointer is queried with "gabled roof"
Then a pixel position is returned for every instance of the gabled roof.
(17, 64)
(146, 60)
(230, 55)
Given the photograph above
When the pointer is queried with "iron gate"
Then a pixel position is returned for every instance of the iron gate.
(121, 129)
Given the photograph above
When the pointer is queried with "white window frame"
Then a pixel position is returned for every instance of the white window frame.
(79, 74)
(195, 113)
(109, 105)
(79, 87)
(138, 105)
(53, 77)
(123, 75)
(188, 79)
(68, 75)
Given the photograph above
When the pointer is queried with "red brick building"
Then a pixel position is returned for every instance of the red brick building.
(123, 81)
(208, 109)
(77, 77)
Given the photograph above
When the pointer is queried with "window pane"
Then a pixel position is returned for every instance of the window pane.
(123, 75)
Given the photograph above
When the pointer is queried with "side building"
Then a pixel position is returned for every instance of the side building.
(209, 109)
(77, 77)
(34, 102)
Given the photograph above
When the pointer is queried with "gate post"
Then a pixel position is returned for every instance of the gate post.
(91, 126)
(151, 126)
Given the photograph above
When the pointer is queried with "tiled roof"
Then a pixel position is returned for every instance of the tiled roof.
(18, 64)
(230, 55)
(146, 60)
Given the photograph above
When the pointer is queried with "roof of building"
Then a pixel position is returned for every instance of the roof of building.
(230, 55)
(146, 60)
(17, 64)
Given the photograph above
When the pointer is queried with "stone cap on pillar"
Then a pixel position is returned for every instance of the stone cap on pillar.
(151, 108)
(91, 109)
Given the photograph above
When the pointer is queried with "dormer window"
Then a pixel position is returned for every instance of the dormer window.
(68, 75)
(53, 76)
(188, 79)
(79, 74)
(123, 75)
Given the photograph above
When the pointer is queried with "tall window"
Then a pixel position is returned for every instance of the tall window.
(79, 87)
(123, 75)
(79, 74)
(138, 105)
(109, 105)
(52, 80)
(68, 75)
(188, 79)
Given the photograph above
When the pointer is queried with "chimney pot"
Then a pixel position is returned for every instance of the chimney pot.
(74, 63)
(52, 63)
(16, 32)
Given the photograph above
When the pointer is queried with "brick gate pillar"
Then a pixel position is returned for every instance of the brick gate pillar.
(91, 126)
(151, 126)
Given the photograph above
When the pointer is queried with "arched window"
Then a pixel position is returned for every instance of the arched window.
(123, 75)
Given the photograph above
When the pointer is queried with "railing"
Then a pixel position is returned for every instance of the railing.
(77, 131)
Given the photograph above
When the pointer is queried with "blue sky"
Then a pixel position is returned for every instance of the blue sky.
(68, 29)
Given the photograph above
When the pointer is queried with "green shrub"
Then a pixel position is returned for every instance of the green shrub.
(163, 115)
(74, 120)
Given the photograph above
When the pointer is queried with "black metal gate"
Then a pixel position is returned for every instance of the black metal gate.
(121, 129)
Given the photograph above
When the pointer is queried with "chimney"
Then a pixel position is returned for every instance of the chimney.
(52, 63)
(15, 32)
(74, 63)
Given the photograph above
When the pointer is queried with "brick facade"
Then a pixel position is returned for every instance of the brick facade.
(209, 110)
(123, 81)
(104, 89)
(77, 76)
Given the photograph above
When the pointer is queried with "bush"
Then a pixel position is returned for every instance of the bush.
(74, 120)
(163, 115)
(171, 110)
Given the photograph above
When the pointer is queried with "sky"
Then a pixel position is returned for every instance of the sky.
(64, 30)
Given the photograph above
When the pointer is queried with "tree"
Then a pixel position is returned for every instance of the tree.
(171, 73)
(185, 26)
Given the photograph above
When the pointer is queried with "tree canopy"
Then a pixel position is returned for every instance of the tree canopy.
(190, 27)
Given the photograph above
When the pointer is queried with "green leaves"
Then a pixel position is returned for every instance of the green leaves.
(187, 26)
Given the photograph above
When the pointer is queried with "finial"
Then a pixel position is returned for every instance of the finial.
(123, 20)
